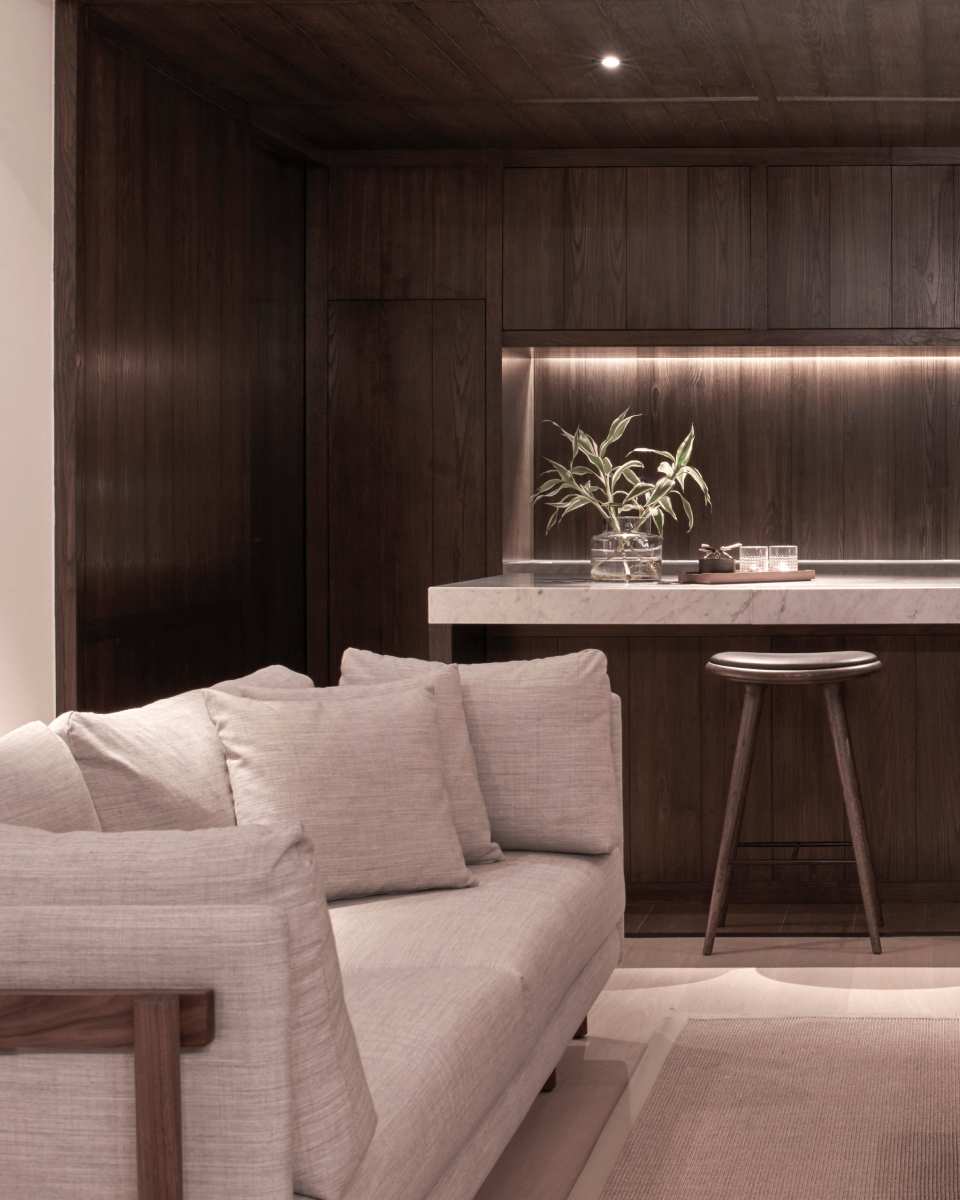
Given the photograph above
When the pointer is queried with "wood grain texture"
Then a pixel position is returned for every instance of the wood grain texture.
(657, 248)
(533, 249)
(881, 712)
(860, 239)
(925, 392)
(95, 1020)
(354, 235)
(868, 399)
(765, 454)
(405, 523)
(937, 705)
(459, 234)
(68, 337)
(816, 458)
(925, 245)
(798, 215)
(758, 247)
(594, 261)
(494, 185)
(720, 706)
(458, 463)
(406, 233)
(718, 254)
(156, 1051)
(315, 367)
(665, 756)
(353, 391)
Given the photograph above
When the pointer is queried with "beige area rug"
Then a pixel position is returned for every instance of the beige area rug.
(796, 1108)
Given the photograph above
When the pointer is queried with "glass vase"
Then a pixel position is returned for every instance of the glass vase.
(630, 555)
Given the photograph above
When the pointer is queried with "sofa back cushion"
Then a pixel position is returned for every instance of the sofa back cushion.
(161, 766)
(541, 733)
(334, 1118)
(363, 668)
(361, 768)
(41, 784)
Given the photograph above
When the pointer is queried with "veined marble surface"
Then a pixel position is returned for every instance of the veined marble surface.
(527, 599)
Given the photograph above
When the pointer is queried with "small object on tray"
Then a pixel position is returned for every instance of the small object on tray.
(746, 576)
(714, 559)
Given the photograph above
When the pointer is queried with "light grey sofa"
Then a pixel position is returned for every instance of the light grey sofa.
(461, 1001)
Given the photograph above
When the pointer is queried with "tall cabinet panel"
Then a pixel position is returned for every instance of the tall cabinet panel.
(798, 247)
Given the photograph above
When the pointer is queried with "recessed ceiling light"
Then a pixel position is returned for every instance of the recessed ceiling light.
(610, 61)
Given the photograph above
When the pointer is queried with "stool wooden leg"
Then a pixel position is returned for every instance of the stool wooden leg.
(837, 718)
(736, 797)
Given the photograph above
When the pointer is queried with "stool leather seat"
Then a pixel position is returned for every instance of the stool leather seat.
(818, 666)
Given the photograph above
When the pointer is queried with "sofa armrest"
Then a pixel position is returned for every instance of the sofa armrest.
(69, 1118)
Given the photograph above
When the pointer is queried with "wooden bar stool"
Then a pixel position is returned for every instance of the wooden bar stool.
(757, 671)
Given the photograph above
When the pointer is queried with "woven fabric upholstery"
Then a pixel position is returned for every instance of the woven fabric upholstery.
(68, 1119)
(361, 769)
(362, 668)
(541, 734)
(535, 917)
(41, 784)
(160, 766)
(333, 1116)
(275, 676)
(439, 1046)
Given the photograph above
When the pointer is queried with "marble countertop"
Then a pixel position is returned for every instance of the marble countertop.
(830, 599)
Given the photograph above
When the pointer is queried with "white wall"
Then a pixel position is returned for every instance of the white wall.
(26, 363)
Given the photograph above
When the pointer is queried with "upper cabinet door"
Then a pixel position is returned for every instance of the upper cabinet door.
(533, 239)
(860, 248)
(718, 248)
(925, 216)
(798, 247)
(657, 247)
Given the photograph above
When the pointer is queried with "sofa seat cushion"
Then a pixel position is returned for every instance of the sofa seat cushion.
(536, 917)
(438, 1047)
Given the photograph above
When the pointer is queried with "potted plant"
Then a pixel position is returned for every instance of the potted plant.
(627, 551)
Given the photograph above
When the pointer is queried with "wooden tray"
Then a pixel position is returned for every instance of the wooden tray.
(745, 577)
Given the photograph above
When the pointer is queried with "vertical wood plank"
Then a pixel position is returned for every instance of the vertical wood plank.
(493, 177)
(881, 713)
(951, 385)
(720, 704)
(406, 237)
(923, 389)
(703, 392)
(69, 26)
(860, 241)
(718, 255)
(533, 248)
(798, 217)
(594, 264)
(765, 476)
(156, 1052)
(406, 452)
(758, 247)
(657, 248)
(807, 799)
(665, 811)
(354, 233)
(577, 389)
(868, 396)
(938, 805)
(317, 513)
(925, 247)
(518, 458)
(459, 411)
(816, 457)
(459, 234)
(353, 391)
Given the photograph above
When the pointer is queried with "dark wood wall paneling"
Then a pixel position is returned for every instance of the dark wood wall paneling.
(409, 350)
(190, 422)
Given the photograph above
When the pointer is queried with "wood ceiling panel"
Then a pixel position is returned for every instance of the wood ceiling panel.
(522, 74)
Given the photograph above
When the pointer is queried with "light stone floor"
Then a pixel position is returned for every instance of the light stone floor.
(571, 1138)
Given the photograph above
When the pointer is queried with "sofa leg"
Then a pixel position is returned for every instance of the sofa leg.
(582, 1030)
(551, 1081)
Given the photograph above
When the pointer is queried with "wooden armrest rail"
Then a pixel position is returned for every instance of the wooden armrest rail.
(157, 1024)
